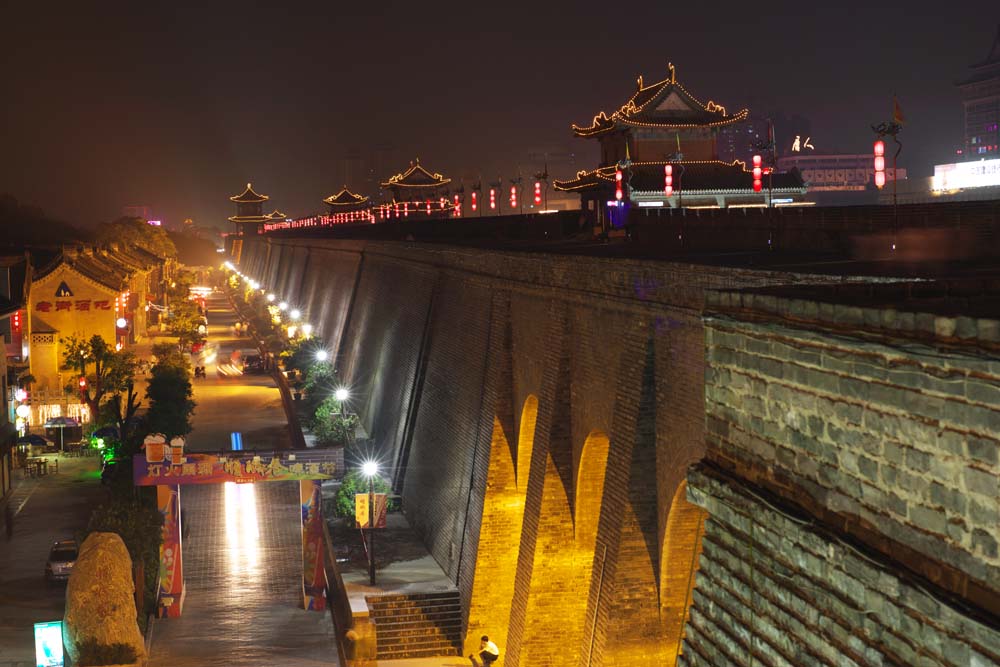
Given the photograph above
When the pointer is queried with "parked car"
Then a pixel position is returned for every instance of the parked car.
(62, 558)
(253, 363)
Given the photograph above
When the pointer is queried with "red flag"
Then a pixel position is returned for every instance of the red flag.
(897, 112)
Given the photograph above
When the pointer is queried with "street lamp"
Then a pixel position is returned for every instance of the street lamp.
(370, 469)
(296, 314)
(283, 306)
(322, 355)
(270, 298)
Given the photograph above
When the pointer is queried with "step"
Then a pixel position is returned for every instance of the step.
(417, 651)
(410, 597)
(413, 623)
(435, 611)
(447, 632)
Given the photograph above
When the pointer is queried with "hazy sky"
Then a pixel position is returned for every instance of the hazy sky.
(177, 107)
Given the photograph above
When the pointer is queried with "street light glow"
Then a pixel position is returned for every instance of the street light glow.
(307, 330)
(296, 314)
(270, 298)
(369, 468)
(342, 394)
(322, 355)
(283, 305)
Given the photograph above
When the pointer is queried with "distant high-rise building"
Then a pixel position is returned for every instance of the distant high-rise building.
(981, 98)
(144, 212)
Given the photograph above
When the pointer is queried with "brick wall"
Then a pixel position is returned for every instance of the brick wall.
(897, 440)
(445, 346)
(777, 590)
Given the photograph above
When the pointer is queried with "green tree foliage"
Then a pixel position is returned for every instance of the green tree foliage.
(300, 354)
(330, 426)
(135, 231)
(170, 397)
(355, 482)
(110, 376)
(321, 382)
(183, 321)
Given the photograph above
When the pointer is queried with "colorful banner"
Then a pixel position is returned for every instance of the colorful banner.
(168, 500)
(313, 574)
(361, 510)
(181, 468)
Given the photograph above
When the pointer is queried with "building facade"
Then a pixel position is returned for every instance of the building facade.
(417, 191)
(981, 99)
(837, 173)
(660, 149)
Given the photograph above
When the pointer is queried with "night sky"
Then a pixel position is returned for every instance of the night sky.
(109, 104)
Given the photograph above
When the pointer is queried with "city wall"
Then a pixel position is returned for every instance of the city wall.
(541, 416)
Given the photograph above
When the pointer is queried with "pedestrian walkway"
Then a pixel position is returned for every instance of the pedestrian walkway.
(46, 509)
(243, 549)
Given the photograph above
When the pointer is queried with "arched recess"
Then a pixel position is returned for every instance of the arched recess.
(503, 512)
(526, 441)
(681, 554)
(564, 559)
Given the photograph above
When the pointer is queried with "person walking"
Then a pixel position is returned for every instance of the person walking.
(488, 653)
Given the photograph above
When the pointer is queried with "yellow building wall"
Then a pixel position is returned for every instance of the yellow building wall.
(88, 311)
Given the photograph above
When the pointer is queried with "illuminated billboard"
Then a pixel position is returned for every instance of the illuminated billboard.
(961, 175)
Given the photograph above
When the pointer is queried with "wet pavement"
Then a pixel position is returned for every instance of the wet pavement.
(46, 509)
(242, 552)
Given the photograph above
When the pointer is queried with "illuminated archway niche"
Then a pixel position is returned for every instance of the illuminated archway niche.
(564, 559)
(500, 533)
(681, 554)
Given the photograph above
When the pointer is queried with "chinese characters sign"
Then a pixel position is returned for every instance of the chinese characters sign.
(74, 304)
(216, 469)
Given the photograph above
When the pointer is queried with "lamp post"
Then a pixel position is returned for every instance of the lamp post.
(370, 469)
(342, 395)
(891, 129)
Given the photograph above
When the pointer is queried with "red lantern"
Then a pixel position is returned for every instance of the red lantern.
(757, 171)
(879, 150)
(493, 199)
(538, 193)
(456, 214)
(668, 180)
(406, 209)
(618, 184)
(474, 200)
(428, 207)
(83, 383)
(513, 196)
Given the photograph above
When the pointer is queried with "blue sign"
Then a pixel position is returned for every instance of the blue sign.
(236, 439)
(48, 644)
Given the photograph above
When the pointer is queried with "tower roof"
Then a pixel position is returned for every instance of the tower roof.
(709, 175)
(249, 196)
(665, 105)
(275, 215)
(345, 198)
(416, 177)
(994, 55)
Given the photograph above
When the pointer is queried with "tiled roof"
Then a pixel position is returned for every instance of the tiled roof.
(695, 176)
(249, 196)
(275, 215)
(665, 104)
(416, 177)
(345, 198)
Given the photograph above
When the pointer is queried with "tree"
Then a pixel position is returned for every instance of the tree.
(135, 231)
(113, 373)
(170, 403)
(321, 382)
(183, 322)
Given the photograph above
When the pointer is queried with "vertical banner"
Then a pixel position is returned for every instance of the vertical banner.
(313, 575)
(168, 500)
(361, 510)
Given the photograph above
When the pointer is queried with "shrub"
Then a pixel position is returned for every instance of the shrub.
(330, 426)
(355, 482)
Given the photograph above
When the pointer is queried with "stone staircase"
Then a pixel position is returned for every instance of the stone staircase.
(417, 625)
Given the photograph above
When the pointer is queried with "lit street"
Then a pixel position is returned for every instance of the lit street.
(242, 552)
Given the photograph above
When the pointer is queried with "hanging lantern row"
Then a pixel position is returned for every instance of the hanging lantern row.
(668, 180)
(757, 172)
(513, 196)
(538, 193)
(618, 184)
